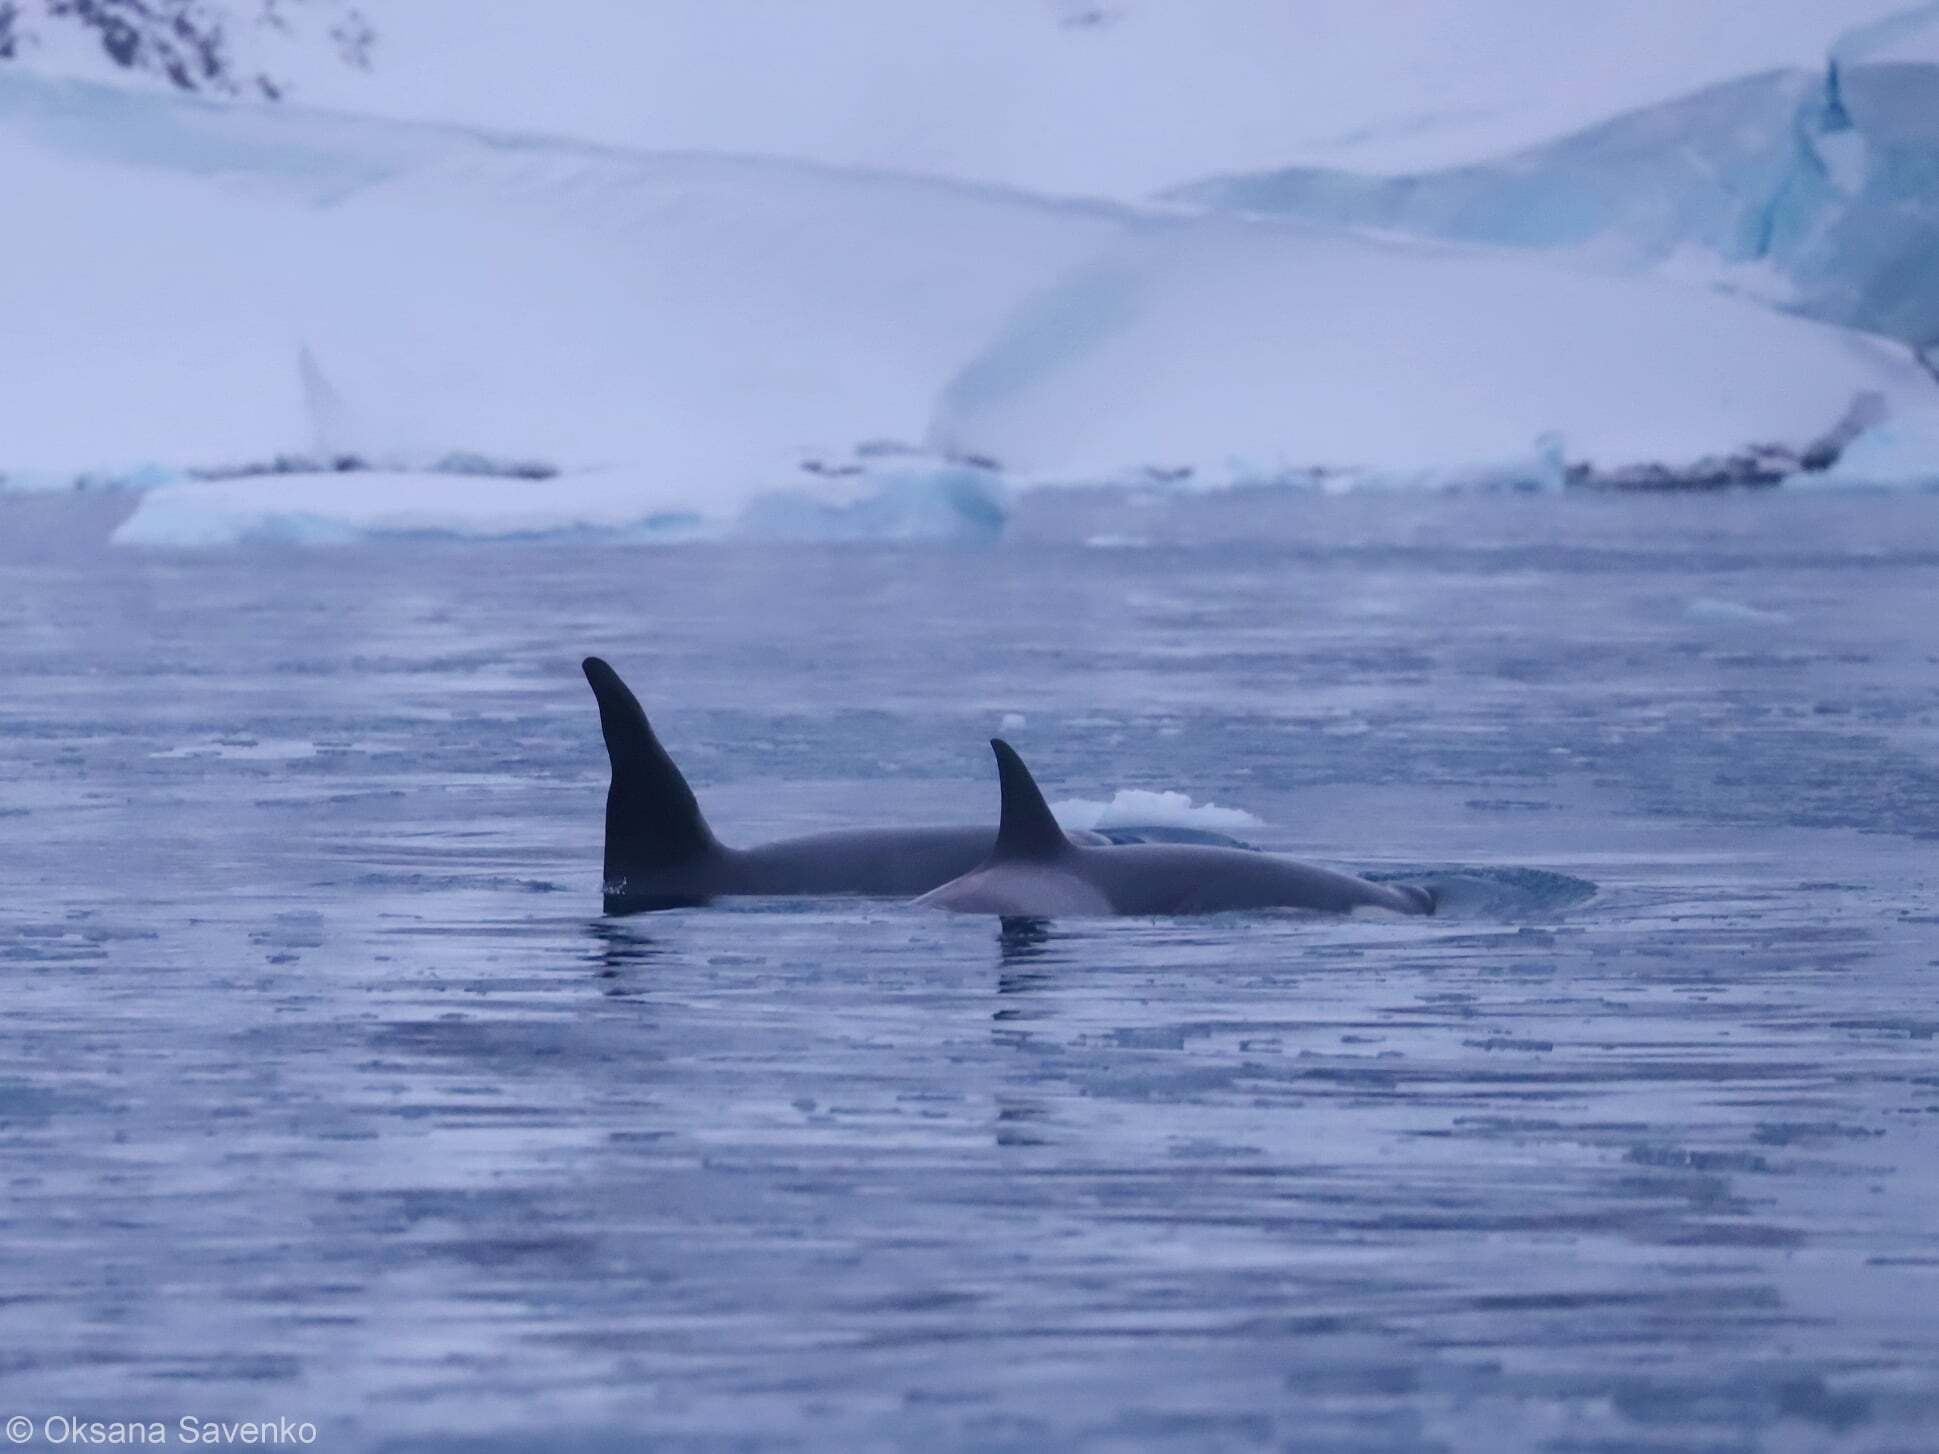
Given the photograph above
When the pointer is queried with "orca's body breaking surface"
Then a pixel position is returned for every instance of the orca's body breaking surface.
(1034, 871)
(660, 853)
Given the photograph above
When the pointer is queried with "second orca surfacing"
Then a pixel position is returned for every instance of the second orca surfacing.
(1036, 872)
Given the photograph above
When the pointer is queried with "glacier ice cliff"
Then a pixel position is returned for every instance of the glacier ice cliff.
(1818, 191)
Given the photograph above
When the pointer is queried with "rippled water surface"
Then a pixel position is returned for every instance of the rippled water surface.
(325, 1091)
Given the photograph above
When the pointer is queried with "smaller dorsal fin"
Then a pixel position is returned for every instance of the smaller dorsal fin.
(1027, 829)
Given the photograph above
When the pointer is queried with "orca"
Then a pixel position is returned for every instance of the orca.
(660, 853)
(1036, 872)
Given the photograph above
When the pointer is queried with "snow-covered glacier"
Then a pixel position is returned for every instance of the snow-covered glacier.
(298, 325)
(1817, 190)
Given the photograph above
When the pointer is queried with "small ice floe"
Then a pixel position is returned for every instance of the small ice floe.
(1140, 807)
(1013, 722)
(1731, 613)
(903, 501)
(244, 749)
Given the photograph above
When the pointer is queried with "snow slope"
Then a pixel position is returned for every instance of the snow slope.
(1096, 97)
(205, 285)
(1246, 351)
(1908, 34)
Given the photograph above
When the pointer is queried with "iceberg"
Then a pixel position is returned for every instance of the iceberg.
(1144, 808)
(941, 502)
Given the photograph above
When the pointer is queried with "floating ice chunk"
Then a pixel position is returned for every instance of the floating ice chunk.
(1012, 722)
(630, 505)
(1714, 608)
(944, 503)
(328, 509)
(245, 749)
(1140, 807)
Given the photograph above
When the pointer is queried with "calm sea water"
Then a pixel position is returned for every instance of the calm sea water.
(327, 1094)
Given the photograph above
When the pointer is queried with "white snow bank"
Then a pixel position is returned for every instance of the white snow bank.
(1260, 351)
(903, 503)
(1142, 808)
(205, 285)
(1101, 97)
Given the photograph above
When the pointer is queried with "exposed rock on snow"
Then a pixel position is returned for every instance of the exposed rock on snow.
(239, 48)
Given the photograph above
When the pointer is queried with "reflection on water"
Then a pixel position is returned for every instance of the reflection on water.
(1023, 940)
(626, 956)
(1029, 950)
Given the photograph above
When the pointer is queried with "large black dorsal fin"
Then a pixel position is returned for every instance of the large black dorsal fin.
(652, 821)
(1027, 828)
